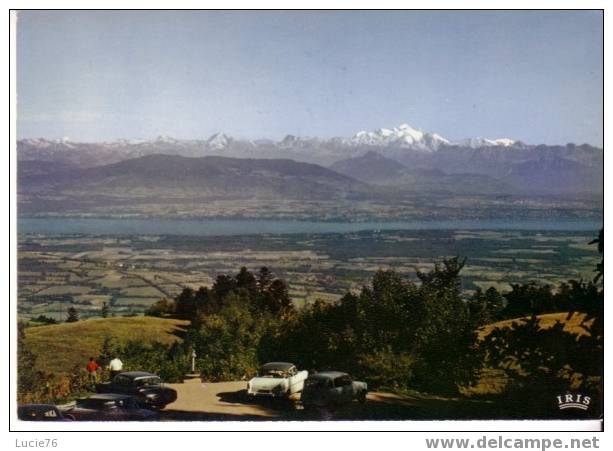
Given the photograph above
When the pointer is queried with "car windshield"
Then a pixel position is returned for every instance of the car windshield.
(317, 383)
(273, 372)
(145, 381)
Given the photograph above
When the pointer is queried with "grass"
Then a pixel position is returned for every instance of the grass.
(60, 347)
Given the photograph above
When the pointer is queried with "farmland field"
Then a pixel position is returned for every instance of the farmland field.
(131, 272)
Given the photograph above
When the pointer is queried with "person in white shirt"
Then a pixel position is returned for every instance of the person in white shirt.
(115, 366)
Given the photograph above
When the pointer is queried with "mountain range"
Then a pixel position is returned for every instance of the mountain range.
(316, 150)
(383, 167)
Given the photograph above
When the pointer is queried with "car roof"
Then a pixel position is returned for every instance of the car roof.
(327, 375)
(108, 396)
(280, 366)
(138, 374)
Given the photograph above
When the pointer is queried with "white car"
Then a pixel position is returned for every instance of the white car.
(277, 380)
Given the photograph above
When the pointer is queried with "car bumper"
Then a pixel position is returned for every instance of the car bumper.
(267, 394)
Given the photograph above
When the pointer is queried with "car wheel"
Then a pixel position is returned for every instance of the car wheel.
(362, 397)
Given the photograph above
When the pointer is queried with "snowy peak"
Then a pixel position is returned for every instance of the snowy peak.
(475, 143)
(218, 141)
(402, 136)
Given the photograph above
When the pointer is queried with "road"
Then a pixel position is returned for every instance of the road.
(198, 401)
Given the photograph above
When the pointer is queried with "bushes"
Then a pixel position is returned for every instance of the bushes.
(161, 308)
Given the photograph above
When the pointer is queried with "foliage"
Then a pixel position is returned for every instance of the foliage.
(599, 241)
(262, 294)
(227, 342)
(161, 308)
(169, 361)
(43, 319)
(394, 333)
(73, 315)
(486, 307)
(105, 310)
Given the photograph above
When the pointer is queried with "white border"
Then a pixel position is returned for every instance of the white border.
(162, 439)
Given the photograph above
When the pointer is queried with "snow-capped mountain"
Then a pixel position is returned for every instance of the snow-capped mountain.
(401, 136)
(475, 143)
(218, 141)
(405, 144)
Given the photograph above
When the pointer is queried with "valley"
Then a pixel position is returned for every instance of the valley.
(131, 272)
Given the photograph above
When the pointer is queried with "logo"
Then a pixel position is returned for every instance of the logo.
(573, 401)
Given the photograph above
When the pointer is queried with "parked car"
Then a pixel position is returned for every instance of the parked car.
(42, 412)
(110, 407)
(277, 380)
(330, 388)
(147, 388)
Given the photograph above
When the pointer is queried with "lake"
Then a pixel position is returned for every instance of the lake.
(214, 227)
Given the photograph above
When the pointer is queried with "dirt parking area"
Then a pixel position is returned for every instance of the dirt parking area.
(203, 401)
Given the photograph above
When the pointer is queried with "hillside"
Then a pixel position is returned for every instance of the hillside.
(494, 380)
(61, 347)
(376, 169)
(372, 167)
(211, 176)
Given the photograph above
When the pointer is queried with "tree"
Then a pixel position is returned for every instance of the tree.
(447, 355)
(73, 315)
(185, 304)
(277, 297)
(161, 308)
(105, 310)
(599, 241)
(485, 307)
(264, 279)
(528, 299)
(223, 285)
(244, 279)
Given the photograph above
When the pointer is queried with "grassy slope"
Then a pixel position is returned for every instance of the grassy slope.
(60, 347)
(492, 380)
(546, 321)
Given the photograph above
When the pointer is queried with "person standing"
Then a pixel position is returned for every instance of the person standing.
(92, 371)
(115, 366)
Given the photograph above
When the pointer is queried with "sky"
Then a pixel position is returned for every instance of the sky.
(99, 76)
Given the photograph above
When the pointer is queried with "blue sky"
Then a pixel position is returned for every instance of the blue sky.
(91, 76)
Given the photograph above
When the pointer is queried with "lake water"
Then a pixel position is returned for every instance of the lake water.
(213, 227)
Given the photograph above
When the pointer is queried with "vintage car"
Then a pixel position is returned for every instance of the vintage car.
(277, 380)
(110, 407)
(42, 412)
(332, 388)
(147, 388)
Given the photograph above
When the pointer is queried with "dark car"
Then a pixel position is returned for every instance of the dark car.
(147, 388)
(42, 412)
(110, 407)
(332, 388)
